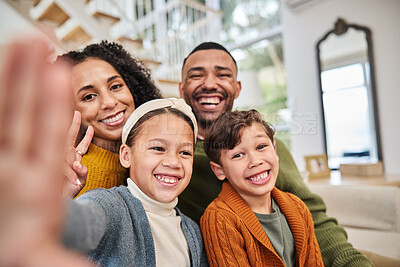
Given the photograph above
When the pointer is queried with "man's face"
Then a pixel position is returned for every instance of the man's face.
(209, 84)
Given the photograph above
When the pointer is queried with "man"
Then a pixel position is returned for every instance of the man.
(209, 85)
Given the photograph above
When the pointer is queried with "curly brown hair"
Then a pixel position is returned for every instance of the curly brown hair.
(136, 76)
(226, 131)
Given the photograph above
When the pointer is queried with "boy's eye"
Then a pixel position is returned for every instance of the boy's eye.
(237, 155)
(88, 97)
(261, 147)
(158, 148)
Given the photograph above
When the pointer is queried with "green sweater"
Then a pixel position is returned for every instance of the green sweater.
(205, 187)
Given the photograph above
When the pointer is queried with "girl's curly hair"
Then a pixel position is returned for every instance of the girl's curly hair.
(136, 76)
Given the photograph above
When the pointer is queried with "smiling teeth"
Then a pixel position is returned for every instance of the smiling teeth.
(209, 100)
(259, 177)
(166, 180)
(113, 119)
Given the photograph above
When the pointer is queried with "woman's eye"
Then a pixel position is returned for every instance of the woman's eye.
(88, 97)
(237, 155)
(158, 148)
(115, 86)
(261, 147)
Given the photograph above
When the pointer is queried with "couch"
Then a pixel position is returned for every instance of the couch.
(370, 215)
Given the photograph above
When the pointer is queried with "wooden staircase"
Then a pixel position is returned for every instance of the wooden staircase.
(72, 24)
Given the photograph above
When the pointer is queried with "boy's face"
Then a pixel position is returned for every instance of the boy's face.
(161, 157)
(251, 167)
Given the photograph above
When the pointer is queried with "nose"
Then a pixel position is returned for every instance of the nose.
(171, 161)
(108, 101)
(210, 82)
(255, 161)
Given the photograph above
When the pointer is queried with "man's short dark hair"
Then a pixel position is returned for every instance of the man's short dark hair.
(226, 131)
(207, 46)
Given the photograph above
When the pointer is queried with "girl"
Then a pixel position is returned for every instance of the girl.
(140, 224)
(107, 86)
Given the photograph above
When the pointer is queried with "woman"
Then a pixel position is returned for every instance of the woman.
(107, 84)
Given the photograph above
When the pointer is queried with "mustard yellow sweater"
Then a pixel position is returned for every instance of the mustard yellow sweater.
(105, 171)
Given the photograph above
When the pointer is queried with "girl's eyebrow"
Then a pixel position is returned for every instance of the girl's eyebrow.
(161, 140)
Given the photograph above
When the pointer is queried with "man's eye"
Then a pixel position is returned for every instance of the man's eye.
(194, 76)
(237, 155)
(261, 147)
(224, 75)
(158, 148)
(88, 97)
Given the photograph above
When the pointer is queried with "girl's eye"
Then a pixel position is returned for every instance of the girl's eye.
(88, 97)
(115, 86)
(261, 147)
(158, 148)
(237, 155)
(186, 153)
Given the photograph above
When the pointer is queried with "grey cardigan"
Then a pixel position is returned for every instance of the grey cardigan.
(111, 226)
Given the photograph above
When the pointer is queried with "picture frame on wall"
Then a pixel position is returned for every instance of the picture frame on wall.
(317, 166)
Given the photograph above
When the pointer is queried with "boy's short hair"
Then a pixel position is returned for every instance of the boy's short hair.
(226, 131)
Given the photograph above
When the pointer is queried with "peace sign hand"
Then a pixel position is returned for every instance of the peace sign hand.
(76, 173)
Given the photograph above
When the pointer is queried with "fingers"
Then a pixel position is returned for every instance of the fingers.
(19, 81)
(74, 129)
(81, 171)
(52, 117)
(70, 174)
(6, 79)
(84, 144)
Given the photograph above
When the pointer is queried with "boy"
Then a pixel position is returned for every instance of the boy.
(252, 223)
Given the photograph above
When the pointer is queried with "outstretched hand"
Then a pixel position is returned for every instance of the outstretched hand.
(76, 173)
(35, 108)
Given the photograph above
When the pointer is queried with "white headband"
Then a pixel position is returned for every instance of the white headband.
(175, 103)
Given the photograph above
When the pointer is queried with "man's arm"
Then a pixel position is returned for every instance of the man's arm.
(332, 239)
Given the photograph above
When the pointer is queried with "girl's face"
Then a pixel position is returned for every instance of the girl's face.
(161, 157)
(103, 99)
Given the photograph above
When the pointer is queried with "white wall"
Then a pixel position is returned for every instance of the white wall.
(12, 24)
(302, 28)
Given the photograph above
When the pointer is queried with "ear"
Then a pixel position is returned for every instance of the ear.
(238, 88)
(218, 170)
(125, 156)
(181, 89)
(276, 152)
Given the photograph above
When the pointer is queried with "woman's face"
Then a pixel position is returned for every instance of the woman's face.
(103, 99)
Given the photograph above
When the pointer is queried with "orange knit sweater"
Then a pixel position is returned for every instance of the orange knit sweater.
(233, 236)
(105, 170)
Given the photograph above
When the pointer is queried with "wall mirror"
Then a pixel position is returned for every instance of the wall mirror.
(348, 95)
